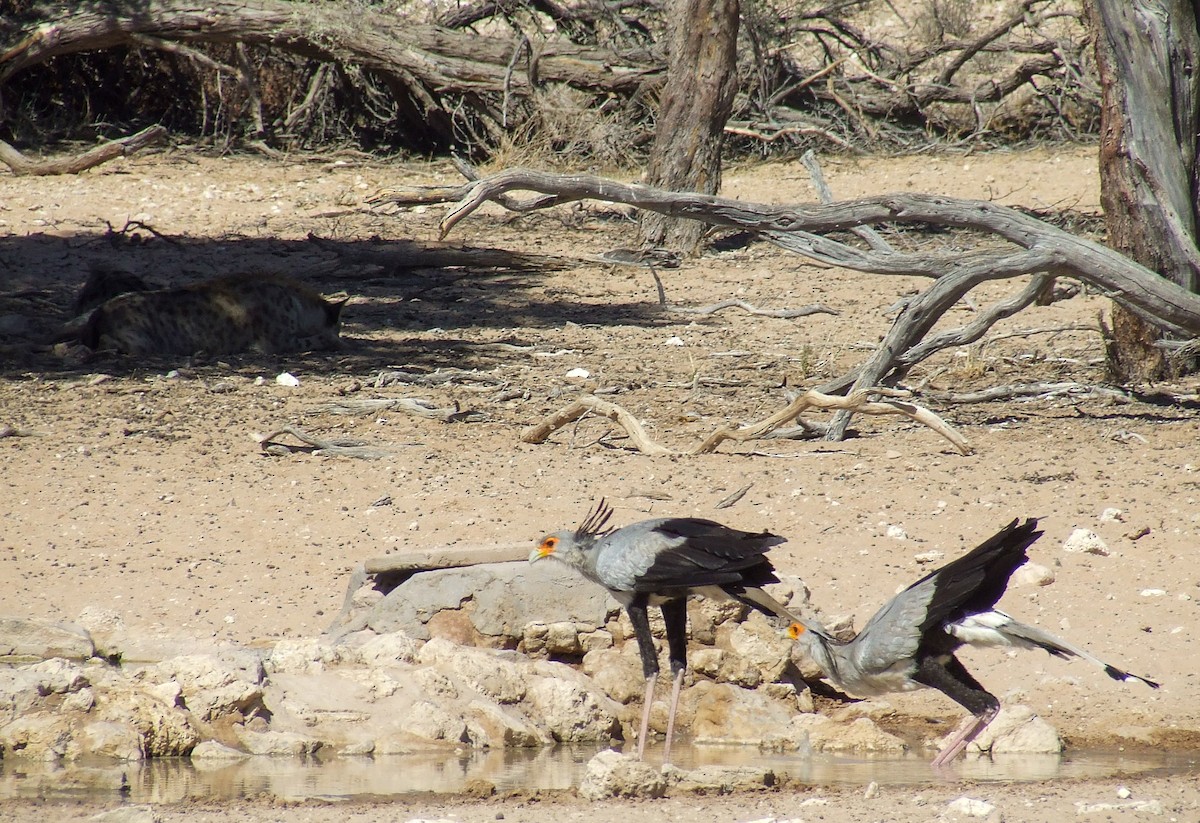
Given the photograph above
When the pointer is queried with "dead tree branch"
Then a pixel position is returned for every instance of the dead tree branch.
(1034, 249)
(22, 166)
(858, 401)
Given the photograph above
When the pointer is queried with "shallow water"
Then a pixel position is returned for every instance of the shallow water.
(176, 779)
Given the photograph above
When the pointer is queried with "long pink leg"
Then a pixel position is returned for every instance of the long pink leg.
(647, 700)
(968, 731)
(671, 717)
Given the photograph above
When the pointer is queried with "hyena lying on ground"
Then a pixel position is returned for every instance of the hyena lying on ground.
(261, 313)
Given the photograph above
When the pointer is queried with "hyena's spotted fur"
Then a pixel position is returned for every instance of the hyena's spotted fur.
(261, 313)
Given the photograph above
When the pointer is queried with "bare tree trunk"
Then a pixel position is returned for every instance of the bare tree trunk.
(696, 102)
(1147, 53)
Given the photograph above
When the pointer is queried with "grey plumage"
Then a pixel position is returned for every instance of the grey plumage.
(910, 642)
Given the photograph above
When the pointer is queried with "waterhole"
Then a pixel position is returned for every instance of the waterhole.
(562, 767)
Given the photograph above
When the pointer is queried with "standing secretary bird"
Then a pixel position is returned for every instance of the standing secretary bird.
(659, 563)
(910, 643)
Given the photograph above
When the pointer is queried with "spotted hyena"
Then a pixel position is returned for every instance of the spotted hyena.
(259, 313)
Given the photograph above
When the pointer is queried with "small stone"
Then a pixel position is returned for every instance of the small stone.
(1086, 542)
(871, 791)
(287, 379)
(929, 557)
(897, 533)
(673, 341)
(1153, 592)
(1033, 574)
(612, 774)
(1124, 793)
(970, 807)
(582, 374)
(1111, 515)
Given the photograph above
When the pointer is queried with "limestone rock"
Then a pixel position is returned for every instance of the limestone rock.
(487, 672)
(727, 714)
(719, 779)
(384, 649)
(307, 655)
(818, 733)
(617, 673)
(212, 750)
(117, 741)
(1088, 542)
(433, 721)
(277, 744)
(612, 774)
(489, 725)
(212, 687)
(504, 598)
(762, 646)
(571, 711)
(166, 731)
(57, 676)
(1017, 729)
(36, 736)
(43, 639)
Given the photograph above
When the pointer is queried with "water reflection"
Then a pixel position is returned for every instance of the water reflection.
(176, 779)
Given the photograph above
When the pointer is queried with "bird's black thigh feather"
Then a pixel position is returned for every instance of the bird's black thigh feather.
(641, 632)
(674, 614)
(951, 678)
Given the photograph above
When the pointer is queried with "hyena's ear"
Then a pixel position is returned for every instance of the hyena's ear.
(333, 310)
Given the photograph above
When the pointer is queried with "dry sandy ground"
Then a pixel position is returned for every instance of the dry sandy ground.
(141, 489)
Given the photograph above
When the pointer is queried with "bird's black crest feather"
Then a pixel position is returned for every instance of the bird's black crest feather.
(593, 524)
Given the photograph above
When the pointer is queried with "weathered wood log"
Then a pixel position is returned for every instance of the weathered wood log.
(23, 166)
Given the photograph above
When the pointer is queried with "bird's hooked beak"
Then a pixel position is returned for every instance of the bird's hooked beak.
(544, 549)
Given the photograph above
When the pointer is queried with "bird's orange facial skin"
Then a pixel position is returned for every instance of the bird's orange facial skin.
(794, 631)
(547, 547)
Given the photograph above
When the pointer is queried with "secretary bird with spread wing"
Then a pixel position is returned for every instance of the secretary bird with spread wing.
(910, 643)
(660, 562)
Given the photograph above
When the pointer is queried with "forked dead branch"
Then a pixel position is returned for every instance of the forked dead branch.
(1035, 250)
(859, 401)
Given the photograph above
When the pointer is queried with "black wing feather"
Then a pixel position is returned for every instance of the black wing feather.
(976, 581)
(710, 554)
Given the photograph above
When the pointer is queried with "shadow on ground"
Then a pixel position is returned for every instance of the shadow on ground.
(395, 292)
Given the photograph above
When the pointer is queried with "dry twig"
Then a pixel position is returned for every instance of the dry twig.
(317, 445)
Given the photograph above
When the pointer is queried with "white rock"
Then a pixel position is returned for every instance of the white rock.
(570, 711)
(612, 774)
(1088, 542)
(1033, 574)
(1112, 516)
(583, 374)
(970, 807)
(1124, 793)
(673, 341)
(929, 557)
(1017, 729)
(287, 379)
(897, 533)
(212, 750)
(1153, 592)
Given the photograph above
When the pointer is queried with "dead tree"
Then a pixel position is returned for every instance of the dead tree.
(1035, 250)
(695, 105)
(1150, 139)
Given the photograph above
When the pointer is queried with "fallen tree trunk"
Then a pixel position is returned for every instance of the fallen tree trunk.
(436, 68)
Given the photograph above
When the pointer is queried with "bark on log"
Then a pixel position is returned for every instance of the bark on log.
(1150, 119)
